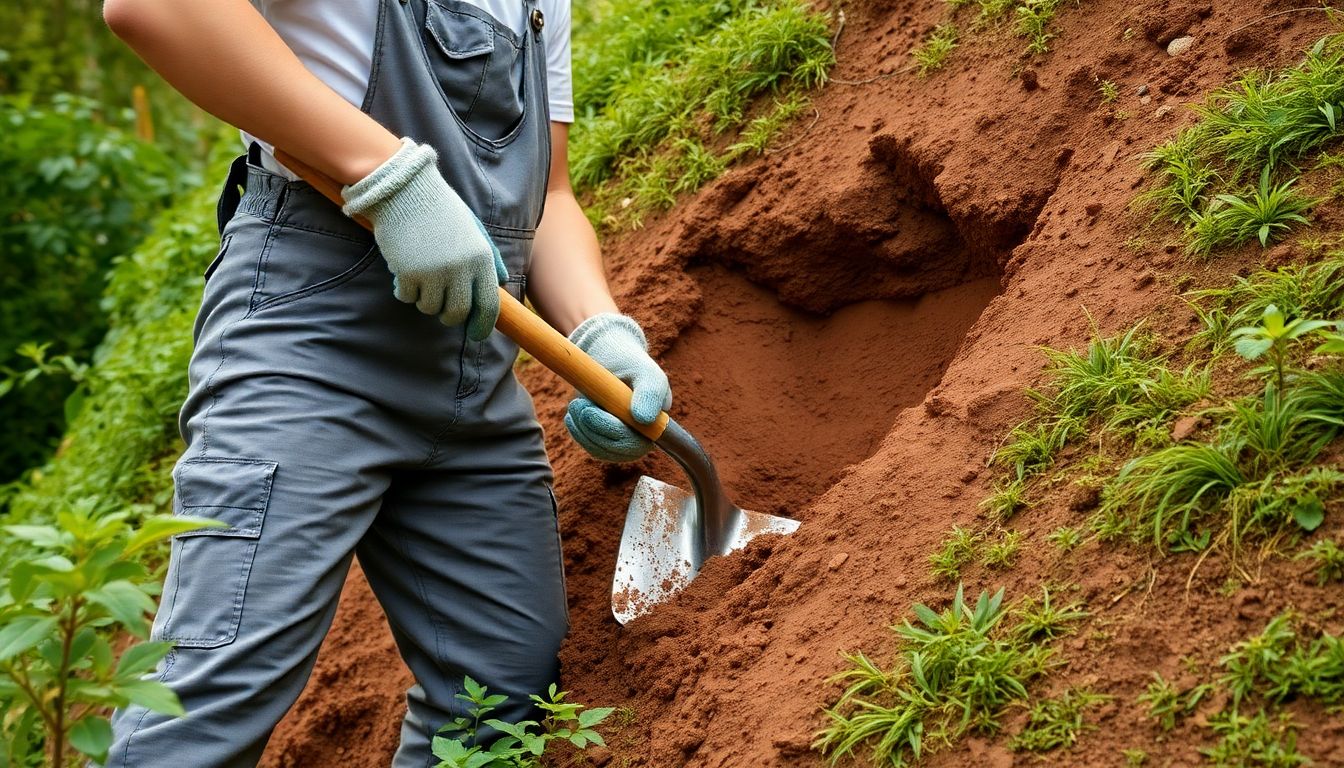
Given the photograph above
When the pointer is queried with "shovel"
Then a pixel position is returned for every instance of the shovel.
(669, 532)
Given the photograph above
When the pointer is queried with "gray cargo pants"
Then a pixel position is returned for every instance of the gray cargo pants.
(326, 418)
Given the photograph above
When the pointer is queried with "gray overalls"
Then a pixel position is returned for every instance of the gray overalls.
(325, 418)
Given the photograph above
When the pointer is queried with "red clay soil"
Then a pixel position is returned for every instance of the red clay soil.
(849, 325)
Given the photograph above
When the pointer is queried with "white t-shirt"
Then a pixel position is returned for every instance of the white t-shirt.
(334, 40)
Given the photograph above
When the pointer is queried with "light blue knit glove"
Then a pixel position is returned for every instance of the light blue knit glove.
(618, 344)
(441, 258)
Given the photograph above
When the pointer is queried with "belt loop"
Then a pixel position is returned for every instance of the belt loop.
(233, 191)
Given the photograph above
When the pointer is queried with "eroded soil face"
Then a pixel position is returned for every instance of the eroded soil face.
(849, 325)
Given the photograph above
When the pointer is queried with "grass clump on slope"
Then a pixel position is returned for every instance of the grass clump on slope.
(1230, 178)
(667, 94)
(955, 673)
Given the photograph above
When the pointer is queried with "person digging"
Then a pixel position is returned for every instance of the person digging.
(347, 396)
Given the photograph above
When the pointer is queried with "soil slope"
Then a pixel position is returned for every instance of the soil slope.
(849, 323)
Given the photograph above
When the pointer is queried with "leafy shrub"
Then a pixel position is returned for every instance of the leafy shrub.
(66, 591)
(77, 190)
(523, 744)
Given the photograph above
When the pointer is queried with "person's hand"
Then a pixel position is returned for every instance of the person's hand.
(617, 343)
(441, 258)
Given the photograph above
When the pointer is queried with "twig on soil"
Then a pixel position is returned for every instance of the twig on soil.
(1152, 578)
(835, 41)
(1253, 22)
(816, 115)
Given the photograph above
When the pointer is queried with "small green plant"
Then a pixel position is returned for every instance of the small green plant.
(1007, 498)
(1066, 538)
(1273, 335)
(1253, 742)
(955, 673)
(1002, 553)
(1231, 219)
(1109, 91)
(1043, 620)
(1134, 757)
(1053, 723)
(1328, 560)
(1033, 22)
(523, 744)
(956, 551)
(69, 587)
(1311, 290)
(933, 52)
(1167, 705)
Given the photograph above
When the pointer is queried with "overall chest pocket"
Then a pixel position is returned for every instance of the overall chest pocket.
(478, 67)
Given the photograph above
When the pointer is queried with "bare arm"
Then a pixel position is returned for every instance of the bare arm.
(567, 283)
(222, 55)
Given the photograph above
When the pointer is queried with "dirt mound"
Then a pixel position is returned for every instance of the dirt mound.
(849, 324)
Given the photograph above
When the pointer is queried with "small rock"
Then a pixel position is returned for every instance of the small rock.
(1163, 111)
(1145, 99)
(1143, 89)
(1180, 45)
(1084, 497)
(969, 476)
(1144, 280)
(1093, 209)
(1184, 427)
(837, 561)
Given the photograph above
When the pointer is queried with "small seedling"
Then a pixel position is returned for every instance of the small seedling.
(1002, 553)
(932, 54)
(1109, 91)
(1167, 704)
(1274, 334)
(1328, 561)
(1253, 741)
(1053, 723)
(1134, 757)
(956, 551)
(1066, 538)
(1044, 620)
(1006, 499)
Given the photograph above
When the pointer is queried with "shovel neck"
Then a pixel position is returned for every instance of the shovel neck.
(717, 513)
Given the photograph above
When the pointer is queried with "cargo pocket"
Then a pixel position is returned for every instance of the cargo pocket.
(478, 67)
(204, 589)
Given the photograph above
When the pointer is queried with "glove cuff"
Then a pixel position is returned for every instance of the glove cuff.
(408, 177)
(595, 333)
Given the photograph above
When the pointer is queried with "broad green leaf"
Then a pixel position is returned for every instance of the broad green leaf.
(1309, 513)
(158, 528)
(1252, 348)
(126, 603)
(141, 658)
(590, 717)
(152, 695)
(92, 735)
(45, 536)
(24, 632)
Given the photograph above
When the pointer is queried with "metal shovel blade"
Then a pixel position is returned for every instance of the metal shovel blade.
(663, 546)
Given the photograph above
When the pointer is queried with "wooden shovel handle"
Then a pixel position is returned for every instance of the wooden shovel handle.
(547, 345)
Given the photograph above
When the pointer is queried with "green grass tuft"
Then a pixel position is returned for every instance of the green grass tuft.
(664, 85)
(1054, 723)
(957, 551)
(955, 673)
(933, 52)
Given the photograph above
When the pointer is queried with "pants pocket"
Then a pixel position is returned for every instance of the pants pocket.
(204, 590)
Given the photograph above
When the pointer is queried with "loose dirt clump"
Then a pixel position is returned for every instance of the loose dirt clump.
(849, 324)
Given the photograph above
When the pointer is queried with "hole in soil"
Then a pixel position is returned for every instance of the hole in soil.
(784, 400)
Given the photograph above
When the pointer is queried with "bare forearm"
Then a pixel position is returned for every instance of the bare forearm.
(223, 56)
(567, 283)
